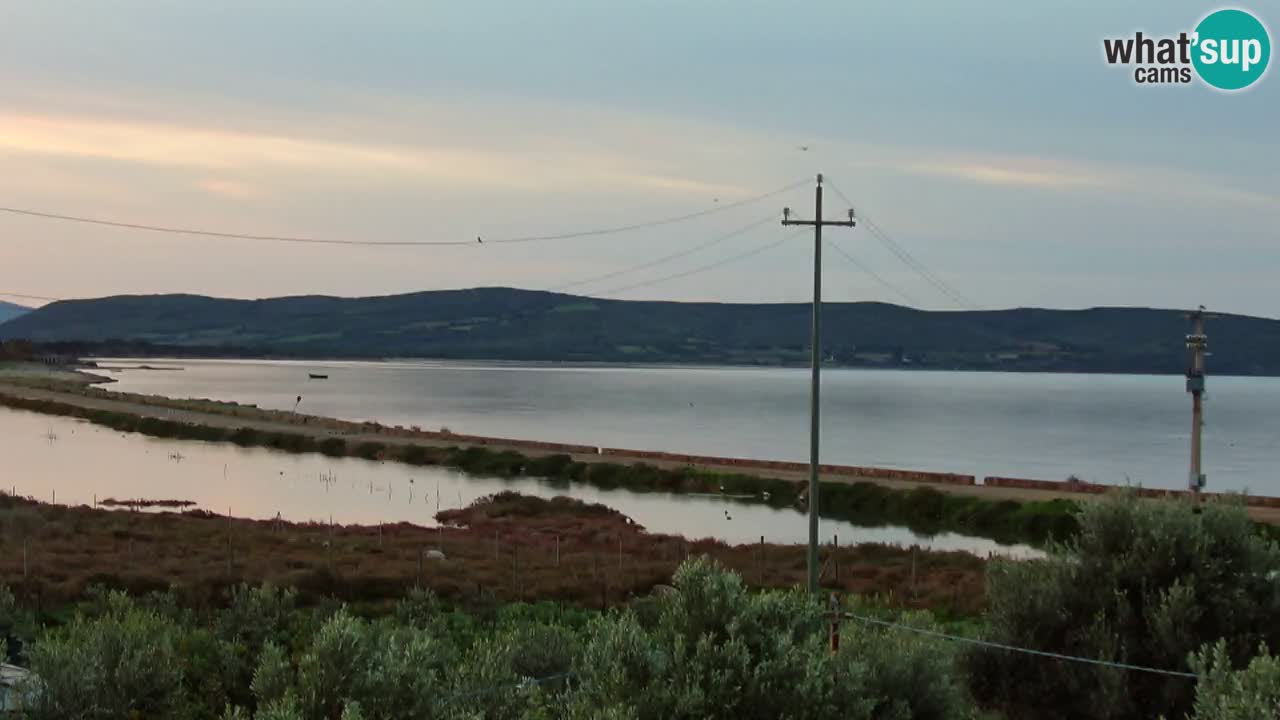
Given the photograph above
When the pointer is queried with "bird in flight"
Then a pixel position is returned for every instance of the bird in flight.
(803, 148)
(479, 240)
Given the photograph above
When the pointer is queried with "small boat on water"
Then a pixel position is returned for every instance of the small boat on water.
(317, 376)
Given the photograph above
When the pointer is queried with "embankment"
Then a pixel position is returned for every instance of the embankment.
(924, 508)
(1088, 488)
(1004, 509)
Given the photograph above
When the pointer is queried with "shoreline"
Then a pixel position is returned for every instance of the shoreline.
(919, 507)
(604, 364)
(80, 386)
(684, 473)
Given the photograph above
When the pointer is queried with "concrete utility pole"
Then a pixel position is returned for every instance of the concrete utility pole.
(1197, 341)
(815, 364)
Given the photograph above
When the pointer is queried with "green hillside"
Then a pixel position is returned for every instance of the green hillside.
(507, 324)
(9, 311)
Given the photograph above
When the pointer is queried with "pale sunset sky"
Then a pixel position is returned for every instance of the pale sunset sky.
(989, 139)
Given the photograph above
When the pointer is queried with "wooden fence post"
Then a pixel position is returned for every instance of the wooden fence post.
(834, 606)
(835, 555)
(760, 562)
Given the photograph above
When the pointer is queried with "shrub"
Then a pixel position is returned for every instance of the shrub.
(1223, 694)
(122, 664)
(714, 650)
(418, 455)
(256, 615)
(370, 450)
(245, 437)
(1143, 582)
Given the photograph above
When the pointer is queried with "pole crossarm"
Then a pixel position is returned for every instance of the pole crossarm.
(833, 223)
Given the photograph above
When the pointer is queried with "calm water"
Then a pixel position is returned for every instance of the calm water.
(1104, 428)
(72, 461)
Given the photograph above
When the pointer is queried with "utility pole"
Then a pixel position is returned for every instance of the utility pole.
(1197, 341)
(815, 367)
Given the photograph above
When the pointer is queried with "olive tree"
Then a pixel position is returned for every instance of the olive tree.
(1145, 583)
(1252, 693)
(714, 650)
(121, 664)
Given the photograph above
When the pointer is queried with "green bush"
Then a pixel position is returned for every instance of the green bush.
(1143, 582)
(713, 650)
(1252, 693)
(548, 466)
(245, 437)
(333, 447)
(370, 450)
(123, 664)
(418, 455)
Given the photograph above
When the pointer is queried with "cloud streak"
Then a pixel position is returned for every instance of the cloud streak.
(532, 168)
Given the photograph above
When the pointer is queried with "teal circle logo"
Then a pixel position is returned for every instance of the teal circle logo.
(1232, 49)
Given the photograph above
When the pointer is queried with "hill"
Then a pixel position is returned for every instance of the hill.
(9, 311)
(508, 324)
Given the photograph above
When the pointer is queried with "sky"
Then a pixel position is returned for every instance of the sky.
(990, 140)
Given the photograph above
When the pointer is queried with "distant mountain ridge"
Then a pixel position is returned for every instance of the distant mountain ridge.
(9, 311)
(510, 324)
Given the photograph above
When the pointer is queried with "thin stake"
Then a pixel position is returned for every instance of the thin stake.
(835, 624)
(228, 542)
(760, 562)
(835, 555)
(913, 571)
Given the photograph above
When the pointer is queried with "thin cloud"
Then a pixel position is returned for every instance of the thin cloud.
(529, 168)
(1143, 183)
(228, 188)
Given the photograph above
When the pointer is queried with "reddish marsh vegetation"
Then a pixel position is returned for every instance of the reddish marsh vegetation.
(503, 548)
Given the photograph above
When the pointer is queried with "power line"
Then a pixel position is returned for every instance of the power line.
(389, 243)
(919, 267)
(30, 297)
(1015, 648)
(654, 223)
(908, 259)
(219, 234)
(666, 258)
(695, 271)
(871, 273)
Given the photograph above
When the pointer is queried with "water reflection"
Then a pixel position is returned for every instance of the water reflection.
(1116, 429)
(74, 462)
